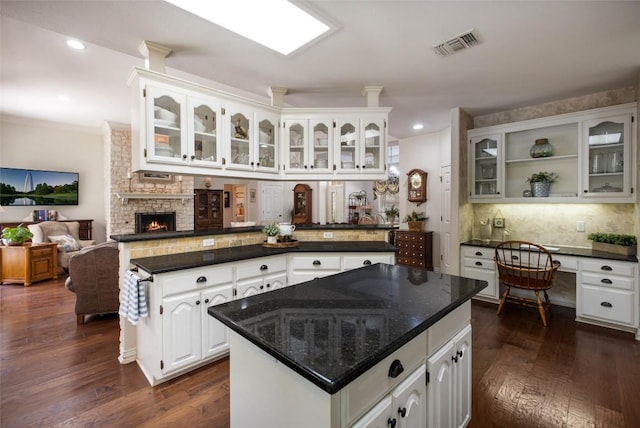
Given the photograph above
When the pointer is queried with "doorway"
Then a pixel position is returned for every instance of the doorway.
(238, 202)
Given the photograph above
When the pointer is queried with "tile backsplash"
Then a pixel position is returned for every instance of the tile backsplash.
(555, 223)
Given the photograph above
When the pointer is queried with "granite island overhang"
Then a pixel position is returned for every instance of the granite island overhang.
(333, 330)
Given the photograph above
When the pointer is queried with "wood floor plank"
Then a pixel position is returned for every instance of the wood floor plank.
(54, 373)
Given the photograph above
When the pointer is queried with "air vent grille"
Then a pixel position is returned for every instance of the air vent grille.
(457, 43)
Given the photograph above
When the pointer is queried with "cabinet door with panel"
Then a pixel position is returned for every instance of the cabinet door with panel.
(607, 164)
(478, 263)
(182, 331)
(485, 159)
(266, 150)
(166, 118)
(296, 140)
(215, 335)
(449, 389)
(347, 146)
(373, 145)
(208, 210)
(239, 152)
(204, 148)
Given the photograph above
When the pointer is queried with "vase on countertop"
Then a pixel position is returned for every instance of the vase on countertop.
(485, 230)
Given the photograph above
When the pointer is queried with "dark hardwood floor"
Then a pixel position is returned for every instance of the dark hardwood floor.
(54, 373)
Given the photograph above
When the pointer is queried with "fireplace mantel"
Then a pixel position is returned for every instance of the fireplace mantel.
(124, 197)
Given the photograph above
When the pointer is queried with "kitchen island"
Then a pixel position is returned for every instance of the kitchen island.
(353, 348)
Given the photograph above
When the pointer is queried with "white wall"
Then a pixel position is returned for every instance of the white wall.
(50, 146)
(427, 152)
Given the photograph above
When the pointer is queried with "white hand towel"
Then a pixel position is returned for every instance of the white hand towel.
(133, 302)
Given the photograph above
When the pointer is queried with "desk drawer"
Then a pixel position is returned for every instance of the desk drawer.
(608, 305)
(479, 263)
(609, 267)
(607, 281)
(478, 252)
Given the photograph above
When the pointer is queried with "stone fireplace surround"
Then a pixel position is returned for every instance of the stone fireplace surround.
(150, 222)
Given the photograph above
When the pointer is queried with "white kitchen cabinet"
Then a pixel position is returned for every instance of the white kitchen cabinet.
(204, 130)
(179, 334)
(486, 166)
(404, 407)
(266, 142)
(166, 119)
(594, 156)
(449, 388)
(240, 150)
(608, 151)
(478, 263)
(308, 145)
(260, 275)
(360, 145)
(607, 293)
(304, 268)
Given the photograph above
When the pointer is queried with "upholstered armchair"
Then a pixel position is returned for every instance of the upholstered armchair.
(65, 234)
(94, 278)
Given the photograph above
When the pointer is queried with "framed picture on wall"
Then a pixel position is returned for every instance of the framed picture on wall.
(155, 177)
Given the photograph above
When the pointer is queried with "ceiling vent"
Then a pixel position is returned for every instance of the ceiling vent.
(458, 43)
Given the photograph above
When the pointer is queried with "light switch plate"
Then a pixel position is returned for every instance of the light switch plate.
(580, 226)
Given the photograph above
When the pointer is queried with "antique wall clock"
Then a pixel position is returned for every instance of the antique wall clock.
(417, 186)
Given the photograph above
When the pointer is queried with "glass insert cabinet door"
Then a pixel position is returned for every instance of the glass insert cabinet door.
(295, 133)
(266, 144)
(348, 160)
(240, 128)
(608, 148)
(322, 145)
(205, 148)
(373, 144)
(485, 167)
(167, 116)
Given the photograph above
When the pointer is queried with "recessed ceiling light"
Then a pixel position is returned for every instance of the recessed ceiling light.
(64, 98)
(418, 126)
(276, 24)
(76, 44)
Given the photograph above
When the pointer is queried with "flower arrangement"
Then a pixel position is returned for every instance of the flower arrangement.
(271, 229)
(16, 235)
(391, 213)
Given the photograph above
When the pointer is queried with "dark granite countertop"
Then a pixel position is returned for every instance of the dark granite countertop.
(173, 262)
(134, 237)
(564, 250)
(311, 327)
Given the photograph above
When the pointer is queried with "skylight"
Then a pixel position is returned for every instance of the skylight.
(276, 24)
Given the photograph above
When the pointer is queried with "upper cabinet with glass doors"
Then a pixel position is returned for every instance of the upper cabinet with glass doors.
(608, 151)
(485, 166)
(167, 118)
(591, 153)
(205, 147)
(266, 153)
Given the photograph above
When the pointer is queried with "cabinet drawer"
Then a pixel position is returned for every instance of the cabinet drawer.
(45, 251)
(193, 279)
(363, 392)
(316, 263)
(608, 305)
(479, 263)
(411, 261)
(354, 262)
(609, 267)
(482, 275)
(607, 281)
(410, 237)
(567, 264)
(261, 266)
(478, 252)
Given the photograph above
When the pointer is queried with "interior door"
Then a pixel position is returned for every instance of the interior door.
(271, 202)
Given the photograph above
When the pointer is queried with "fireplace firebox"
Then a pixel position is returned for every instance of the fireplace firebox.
(155, 222)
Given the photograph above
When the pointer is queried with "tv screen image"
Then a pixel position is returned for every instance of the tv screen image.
(30, 187)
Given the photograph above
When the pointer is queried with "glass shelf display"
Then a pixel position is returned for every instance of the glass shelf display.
(606, 157)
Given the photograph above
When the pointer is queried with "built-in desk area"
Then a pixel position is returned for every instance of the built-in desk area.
(603, 287)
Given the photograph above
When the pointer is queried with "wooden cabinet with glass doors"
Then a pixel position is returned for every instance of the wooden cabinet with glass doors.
(208, 209)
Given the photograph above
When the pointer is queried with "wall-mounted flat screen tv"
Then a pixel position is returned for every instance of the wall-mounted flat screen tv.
(29, 187)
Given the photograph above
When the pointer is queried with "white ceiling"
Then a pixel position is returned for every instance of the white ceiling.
(530, 52)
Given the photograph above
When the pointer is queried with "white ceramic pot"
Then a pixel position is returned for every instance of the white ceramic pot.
(286, 229)
(272, 239)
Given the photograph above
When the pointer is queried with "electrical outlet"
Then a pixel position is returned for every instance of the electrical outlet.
(580, 226)
(208, 242)
(327, 235)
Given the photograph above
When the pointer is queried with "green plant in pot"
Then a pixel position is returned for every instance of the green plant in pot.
(414, 220)
(391, 213)
(16, 235)
(614, 243)
(541, 183)
(272, 230)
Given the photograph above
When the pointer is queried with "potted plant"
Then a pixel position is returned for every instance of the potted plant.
(16, 235)
(414, 220)
(614, 243)
(271, 230)
(391, 213)
(541, 183)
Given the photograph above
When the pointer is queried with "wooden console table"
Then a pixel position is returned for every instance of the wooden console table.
(28, 263)
(85, 232)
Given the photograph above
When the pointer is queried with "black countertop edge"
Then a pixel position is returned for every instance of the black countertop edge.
(564, 251)
(135, 237)
(173, 262)
(364, 365)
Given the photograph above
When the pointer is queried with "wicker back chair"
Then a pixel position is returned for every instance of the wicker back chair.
(526, 266)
